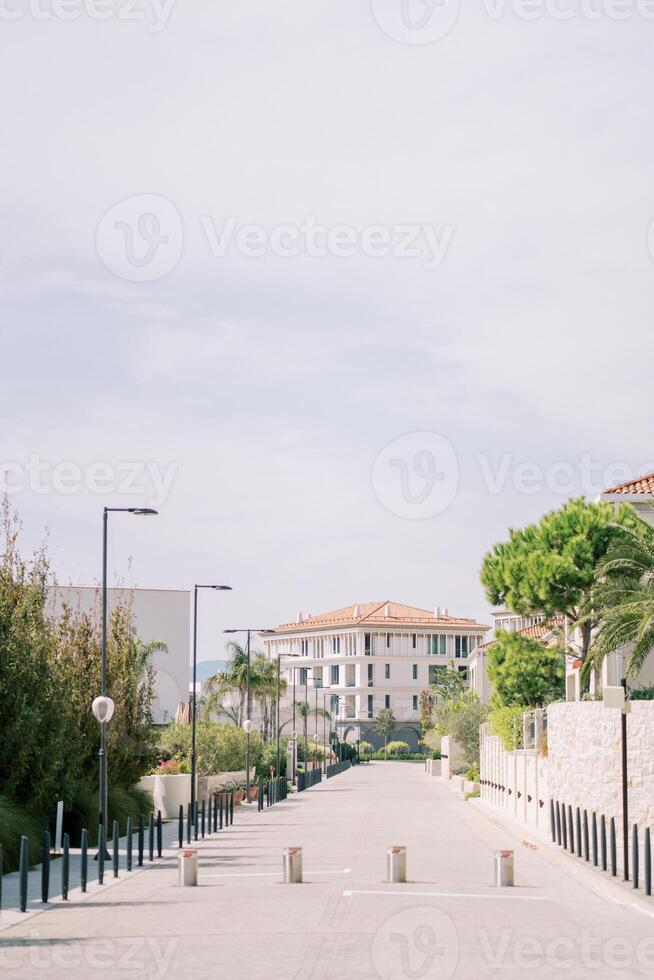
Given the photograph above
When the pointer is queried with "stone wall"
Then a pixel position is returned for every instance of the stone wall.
(452, 757)
(578, 763)
(584, 758)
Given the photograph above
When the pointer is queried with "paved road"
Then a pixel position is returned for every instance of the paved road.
(345, 922)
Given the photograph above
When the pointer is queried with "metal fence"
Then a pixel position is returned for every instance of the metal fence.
(274, 791)
(593, 839)
(337, 768)
(305, 780)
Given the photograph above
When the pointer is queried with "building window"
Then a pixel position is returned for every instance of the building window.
(437, 645)
(387, 672)
(388, 640)
(334, 673)
(414, 672)
(333, 701)
(371, 675)
(304, 648)
(415, 702)
(350, 675)
(371, 706)
(387, 700)
(460, 646)
(303, 675)
(336, 644)
(368, 644)
(414, 640)
(317, 676)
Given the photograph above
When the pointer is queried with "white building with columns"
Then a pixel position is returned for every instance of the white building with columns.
(365, 657)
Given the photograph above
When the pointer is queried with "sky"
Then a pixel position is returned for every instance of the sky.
(344, 290)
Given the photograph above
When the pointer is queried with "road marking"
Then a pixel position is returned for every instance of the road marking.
(405, 894)
(276, 874)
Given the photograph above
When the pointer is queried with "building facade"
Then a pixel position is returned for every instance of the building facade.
(159, 614)
(357, 660)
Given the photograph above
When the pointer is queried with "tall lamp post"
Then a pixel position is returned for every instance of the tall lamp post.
(247, 724)
(307, 671)
(287, 656)
(616, 697)
(103, 794)
(218, 588)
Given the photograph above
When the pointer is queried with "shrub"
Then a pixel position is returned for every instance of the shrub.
(397, 748)
(642, 694)
(220, 748)
(366, 750)
(507, 723)
(524, 672)
(460, 717)
(15, 821)
(473, 773)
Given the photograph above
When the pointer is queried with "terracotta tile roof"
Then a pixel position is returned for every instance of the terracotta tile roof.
(539, 631)
(642, 484)
(374, 614)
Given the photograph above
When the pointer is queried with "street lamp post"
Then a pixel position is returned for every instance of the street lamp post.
(218, 588)
(616, 697)
(103, 788)
(307, 671)
(286, 657)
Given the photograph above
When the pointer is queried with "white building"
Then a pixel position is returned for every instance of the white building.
(370, 656)
(159, 614)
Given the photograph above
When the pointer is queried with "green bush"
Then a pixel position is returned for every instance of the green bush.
(397, 748)
(366, 750)
(642, 694)
(507, 723)
(473, 773)
(15, 821)
(220, 748)
(460, 717)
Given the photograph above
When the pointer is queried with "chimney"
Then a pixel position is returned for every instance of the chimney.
(357, 611)
(387, 610)
(300, 617)
(437, 612)
(446, 613)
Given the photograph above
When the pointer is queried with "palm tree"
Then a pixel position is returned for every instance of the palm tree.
(263, 681)
(624, 596)
(234, 678)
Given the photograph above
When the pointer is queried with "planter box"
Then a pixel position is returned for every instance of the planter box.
(168, 793)
(433, 767)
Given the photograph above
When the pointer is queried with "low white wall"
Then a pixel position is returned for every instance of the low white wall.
(515, 781)
(168, 793)
(452, 757)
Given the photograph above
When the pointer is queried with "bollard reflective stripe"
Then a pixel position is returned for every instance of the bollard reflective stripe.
(23, 868)
(84, 865)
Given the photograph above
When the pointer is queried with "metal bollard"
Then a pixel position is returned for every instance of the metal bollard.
(571, 835)
(603, 842)
(578, 832)
(634, 857)
(220, 810)
(102, 846)
(188, 868)
(159, 834)
(594, 837)
(65, 869)
(203, 818)
(116, 848)
(504, 869)
(45, 868)
(215, 814)
(84, 867)
(141, 838)
(614, 852)
(648, 863)
(130, 842)
(292, 865)
(151, 836)
(188, 824)
(196, 821)
(23, 869)
(586, 840)
(396, 864)
(557, 814)
(231, 809)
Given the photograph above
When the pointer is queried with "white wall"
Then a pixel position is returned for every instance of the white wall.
(159, 614)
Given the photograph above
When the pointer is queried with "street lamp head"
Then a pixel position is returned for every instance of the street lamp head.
(247, 726)
(315, 737)
(103, 708)
(143, 511)
(293, 735)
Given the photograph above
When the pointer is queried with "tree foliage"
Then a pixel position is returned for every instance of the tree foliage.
(624, 597)
(551, 567)
(460, 717)
(385, 725)
(219, 748)
(49, 675)
(524, 671)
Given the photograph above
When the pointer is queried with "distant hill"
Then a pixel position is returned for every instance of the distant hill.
(207, 668)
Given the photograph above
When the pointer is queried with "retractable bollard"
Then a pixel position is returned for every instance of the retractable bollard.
(396, 864)
(188, 868)
(292, 865)
(503, 869)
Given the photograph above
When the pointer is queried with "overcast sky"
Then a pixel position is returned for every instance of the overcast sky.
(347, 421)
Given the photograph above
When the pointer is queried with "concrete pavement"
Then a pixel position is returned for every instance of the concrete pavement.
(345, 921)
